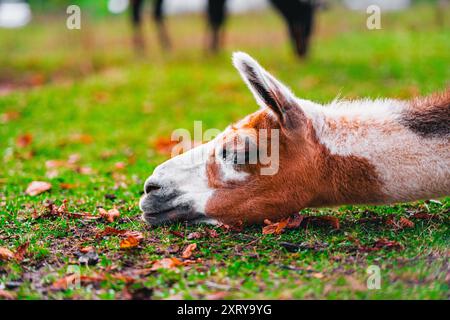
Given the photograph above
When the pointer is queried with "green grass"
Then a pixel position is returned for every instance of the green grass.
(90, 83)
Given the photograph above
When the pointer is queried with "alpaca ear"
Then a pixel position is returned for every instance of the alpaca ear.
(268, 91)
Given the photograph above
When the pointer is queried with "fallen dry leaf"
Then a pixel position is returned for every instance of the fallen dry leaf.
(294, 221)
(324, 221)
(87, 249)
(398, 224)
(212, 233)
(6, 254)
(177, 234)
(9, 116)
(81, 138)
(108, 231)
(274, 228)
(425, 216)
(129, 242)
(19, 255)
(187, 252)
(24, 140)
(166, 263)
(52, 210)
(387, 244)
(194, 235)
(72, 279)
(109, 215)
(406, 223)
(38, 187)
(135, 234)
(66, 186)
(381, 243)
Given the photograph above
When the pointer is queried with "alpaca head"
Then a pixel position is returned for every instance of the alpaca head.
(246, 173)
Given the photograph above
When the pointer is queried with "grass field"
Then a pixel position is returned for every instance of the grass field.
(84, 96)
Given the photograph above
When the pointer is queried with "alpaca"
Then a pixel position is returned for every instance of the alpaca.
(346, 152)
(298, 15)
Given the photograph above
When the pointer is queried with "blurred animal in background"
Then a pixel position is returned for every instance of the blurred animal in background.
(298, 15)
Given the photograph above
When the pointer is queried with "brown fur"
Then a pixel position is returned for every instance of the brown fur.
(429, 116)
(308, 176)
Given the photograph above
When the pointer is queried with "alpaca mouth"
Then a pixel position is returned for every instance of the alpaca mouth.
(176, 214)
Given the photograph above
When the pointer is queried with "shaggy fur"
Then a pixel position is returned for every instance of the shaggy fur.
(346, 152)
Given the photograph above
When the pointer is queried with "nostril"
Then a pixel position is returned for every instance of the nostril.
(149, 187)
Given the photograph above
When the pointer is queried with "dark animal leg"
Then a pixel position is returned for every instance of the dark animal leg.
(136, 20)
(299, 17)
(158, 16)
(299, 39)
(217, 15)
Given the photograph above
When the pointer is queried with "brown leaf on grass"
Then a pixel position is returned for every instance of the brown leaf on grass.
(82, 215)
(135, 234)
(406, 223)
(187, 252)
(66, 186)
(166, 263)
(177, 234)
(381, 243)
(108, 231)
(6, 295)
(274, 228)
(212, 233)
(72, 279)
(87, 249)
(324, 221)
(390, 220)
(194, 235)
(129, 242)
(24, 140)
(52, 210)
(19, 255)
(294, 221)
(6, 254)
(387, 244)
(425, 216)
(81, 138)
(109, 215)
(399, 224)
(38, 187)
(9, 116)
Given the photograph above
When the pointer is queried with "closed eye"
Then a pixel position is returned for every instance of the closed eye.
(224, 154)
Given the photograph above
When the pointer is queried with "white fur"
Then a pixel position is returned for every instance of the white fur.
(409, 166)
(187, 173)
